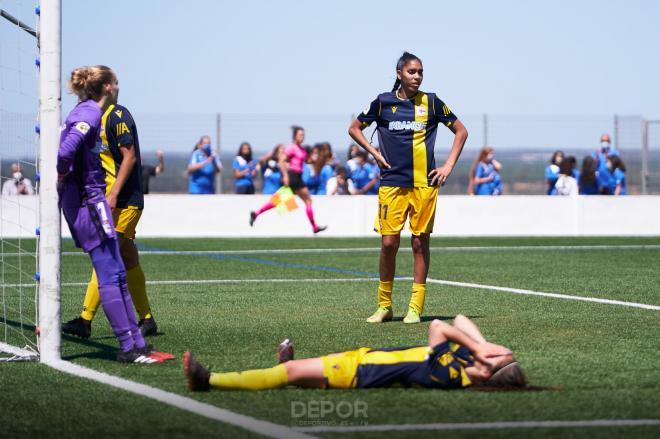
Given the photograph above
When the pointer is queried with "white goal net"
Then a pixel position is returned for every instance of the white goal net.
(19, 175)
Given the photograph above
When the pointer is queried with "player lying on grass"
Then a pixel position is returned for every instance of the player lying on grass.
(456, 357)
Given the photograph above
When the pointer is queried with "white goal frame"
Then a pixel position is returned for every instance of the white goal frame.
(50, 115)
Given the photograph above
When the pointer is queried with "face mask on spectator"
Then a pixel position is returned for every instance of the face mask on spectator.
(17, 176)
(605, 145)
(207, 148)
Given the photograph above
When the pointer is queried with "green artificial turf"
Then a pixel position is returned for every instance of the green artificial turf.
(600, 360)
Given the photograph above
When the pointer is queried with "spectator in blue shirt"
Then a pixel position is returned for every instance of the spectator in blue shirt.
(202, 168)
(245, 169)
(552, 172)
(350, 159)
(364, 175)
(587, 183)
(317, 172)
(270, 170)
(604, 175)
(618, 175)
(487, 179)
(374, 170)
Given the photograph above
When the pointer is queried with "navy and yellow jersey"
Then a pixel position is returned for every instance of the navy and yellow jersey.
(407, 129)
(118, 130)
(442, 366)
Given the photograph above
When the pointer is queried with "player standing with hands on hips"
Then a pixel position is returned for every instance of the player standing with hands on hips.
(407, 121)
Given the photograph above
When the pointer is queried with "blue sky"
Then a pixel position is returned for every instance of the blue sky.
(569, 58)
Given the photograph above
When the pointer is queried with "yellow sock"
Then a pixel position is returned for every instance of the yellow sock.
(417, 297)
(385, 294)
(92, 298)
(258, 379)
(138, 288)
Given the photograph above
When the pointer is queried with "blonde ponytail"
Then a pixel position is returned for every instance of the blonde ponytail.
(87, 82)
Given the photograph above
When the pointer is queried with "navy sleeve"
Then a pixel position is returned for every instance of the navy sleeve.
(370, 114)
(120, 123)
(442, 112)
(447, 369)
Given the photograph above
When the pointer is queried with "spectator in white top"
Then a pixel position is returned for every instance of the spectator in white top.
(566, 184)
(340, 184)
(17, 184)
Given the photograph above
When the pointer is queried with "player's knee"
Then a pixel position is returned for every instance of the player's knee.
(417, 245)
(459, 318)
(390, 245)
(128, 253)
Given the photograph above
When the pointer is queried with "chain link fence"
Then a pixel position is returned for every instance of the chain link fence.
(523, 143)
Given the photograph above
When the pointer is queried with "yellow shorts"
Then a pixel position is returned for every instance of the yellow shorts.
(341, 369)
(126, 220)
(396, 204)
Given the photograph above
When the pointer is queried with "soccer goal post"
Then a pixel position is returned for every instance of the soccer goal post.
(50, 109)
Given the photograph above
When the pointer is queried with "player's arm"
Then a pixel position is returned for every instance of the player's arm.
(440, 175)
(70, 146)
(127, 164)
(355, 130)
(468, 327)
(440, 332)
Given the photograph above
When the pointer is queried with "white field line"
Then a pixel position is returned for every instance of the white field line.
(25, 353)
(542, 294)
(264, 428)
(373, 279)
(226, 281)
(376, 249)
(482, 425)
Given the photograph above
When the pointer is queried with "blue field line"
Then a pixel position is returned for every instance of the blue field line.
(225, 257)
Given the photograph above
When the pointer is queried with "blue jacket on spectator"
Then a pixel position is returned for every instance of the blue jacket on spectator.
(240, 164)
(362, 175)
(203, 180)
(618, 177)
(317, 182)
(551, 176)
(493, 187)
(272, 176)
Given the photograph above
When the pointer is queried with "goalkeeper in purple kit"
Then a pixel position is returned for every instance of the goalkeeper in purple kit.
(81, 187)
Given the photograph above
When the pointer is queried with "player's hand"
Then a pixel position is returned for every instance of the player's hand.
(112, 200)
(439, 175)
(486, 351)
(382, 163)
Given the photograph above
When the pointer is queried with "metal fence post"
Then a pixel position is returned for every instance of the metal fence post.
(645, 156)
(218, 176)
(485, 125)
(615, 136)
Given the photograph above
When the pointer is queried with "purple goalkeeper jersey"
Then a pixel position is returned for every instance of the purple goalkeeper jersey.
(82, 197)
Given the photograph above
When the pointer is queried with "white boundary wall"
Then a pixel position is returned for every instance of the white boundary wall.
(351, 216)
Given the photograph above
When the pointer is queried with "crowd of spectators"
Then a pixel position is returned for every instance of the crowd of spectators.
(602, 173)
(323, 173)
